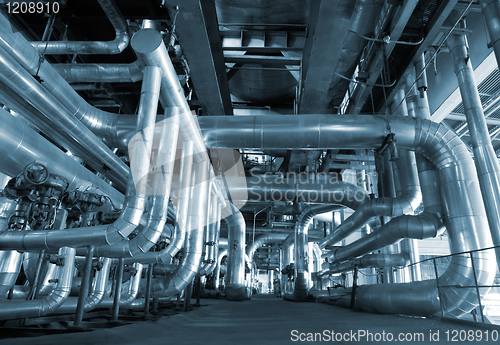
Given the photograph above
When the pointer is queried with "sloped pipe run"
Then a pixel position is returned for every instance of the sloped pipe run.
(235, 278)
(464, 213)
(15, 309)
(424, 225)
(371, 260)
(176, 282)
(116, 46)
(103, 73)
(135, 198)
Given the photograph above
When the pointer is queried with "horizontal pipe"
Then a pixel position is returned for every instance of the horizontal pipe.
(103, 73)
(371, 260)
(116, 46)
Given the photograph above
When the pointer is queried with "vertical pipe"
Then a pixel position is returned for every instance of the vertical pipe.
(118, 289)
(148, 289)
(487, 166)
(235, 281)
(491, 13)
(84, 287)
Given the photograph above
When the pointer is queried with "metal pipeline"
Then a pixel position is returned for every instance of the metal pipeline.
(214, 231)
(19, 80)
(331, 190)
(371, 260)
(436, 142)
(424, 225)
(318, 257)
(285, 261)
(94, 299)
(10, 265)
(115, 46)
(261, 240)
(15, 309)
(140, 151)
(103, 73)
(186, 271)
(127, 297)
(235, 278)
(21, 145)
(302, 274)
(491, 13)
(183, 196)
(487, 166)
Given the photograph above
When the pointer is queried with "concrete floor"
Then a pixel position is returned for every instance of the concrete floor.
(263, 320)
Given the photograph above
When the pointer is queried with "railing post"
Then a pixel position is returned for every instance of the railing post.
(354, 286)
(477, 287)
(437, 285)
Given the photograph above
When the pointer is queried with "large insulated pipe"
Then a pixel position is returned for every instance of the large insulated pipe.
(302, 274)
(176, 282)
(140, 151)
(371, 260)
(21, 145)
(487, 166)
(235, 277)
(94, 299)
(437, 143)
(183, 196)
(103, 73)
(268, 188)
(424, 225)
(15, 309)
(491, 13)
(261, 240)
(18, 79)
(286, 260)
(116, 46)
(130, 293)
(214, 233)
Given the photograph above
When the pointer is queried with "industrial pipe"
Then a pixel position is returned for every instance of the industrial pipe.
(371, 260)
(115, 46)
(102, 73)
(235, 277)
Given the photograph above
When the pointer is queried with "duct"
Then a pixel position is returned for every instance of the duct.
(103, 73)
(21, 145)
(20, 81)
(487, 166)
(424, 225)
(365, 16)
(140, 149)
(94, 299)
(115, 46)
(40, 307)
(183, 197)
(270, 188)
(186, 271)
(302, 274)
(235, 278)
(371, 260)
(127, 297)
(459, 190)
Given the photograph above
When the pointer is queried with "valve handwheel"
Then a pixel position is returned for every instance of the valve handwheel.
(36, 173)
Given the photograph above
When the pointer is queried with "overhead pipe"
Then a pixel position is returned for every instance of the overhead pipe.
(487, 166)
(21, 145)
(140, 149)
(424, 225)
(15, 309)
(176, 282)
(491, 13)
(436, 142)
(94, 299)
(116, 46)
(235, 276)
(371, 260)
(103, 73)
(19, 80)
(260, 241)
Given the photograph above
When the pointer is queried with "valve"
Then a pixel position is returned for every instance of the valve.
(35, 173)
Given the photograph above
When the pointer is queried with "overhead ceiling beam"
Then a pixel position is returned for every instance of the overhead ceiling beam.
(362, 91)
(262, 59)
(327, 31)
(197, 30)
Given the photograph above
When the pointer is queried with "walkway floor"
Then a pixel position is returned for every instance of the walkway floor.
(266, 320)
